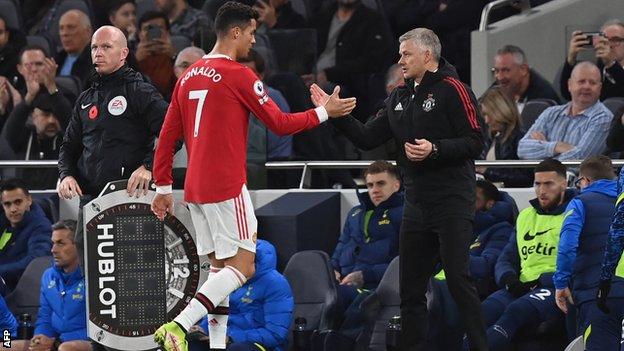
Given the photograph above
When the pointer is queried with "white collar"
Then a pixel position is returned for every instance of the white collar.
(209, 56)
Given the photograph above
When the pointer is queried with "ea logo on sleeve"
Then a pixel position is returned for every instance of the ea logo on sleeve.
(117, 105)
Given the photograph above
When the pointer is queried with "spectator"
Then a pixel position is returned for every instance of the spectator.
(49, 112)
(260, 311)
(394, 78)
(25, 232)
(369, 241)
(122, 14)
(514, 76)
(75, 58)
(575, 130)
(12, 40)
(609, 53)
(279, 14)
(7, 320)
(9, 97)
(185, 20)
(583, 238)
(155, 51)
(185, 58)
(62, 318)
(615, 139)
(352, 44)
(527, 263)
(504, 134)
(262, 144)
(494, 218)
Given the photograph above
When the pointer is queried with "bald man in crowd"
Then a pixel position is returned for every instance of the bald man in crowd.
(575, 130)
(185, 58)
(121, 104)
(75, 59)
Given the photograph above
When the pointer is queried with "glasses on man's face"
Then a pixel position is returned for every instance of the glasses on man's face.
(577, 182)
(615, 40)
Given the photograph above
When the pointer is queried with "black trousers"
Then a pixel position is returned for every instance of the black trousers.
(424, 241)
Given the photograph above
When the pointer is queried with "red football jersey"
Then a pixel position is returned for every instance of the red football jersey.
(210, 108)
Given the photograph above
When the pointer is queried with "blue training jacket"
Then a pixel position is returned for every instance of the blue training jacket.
(62, 311)
(261, 310)
(615, 241)
(583, 238)
(7, 320)
(372, 251)
(31, 238)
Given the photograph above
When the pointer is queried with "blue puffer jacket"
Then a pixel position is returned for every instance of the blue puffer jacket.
(261, 310)
(31, 238)
(371, 255)
(7, 320)
(62, 311)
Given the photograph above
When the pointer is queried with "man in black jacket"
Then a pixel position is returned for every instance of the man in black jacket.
(111, 132)
(435, 118)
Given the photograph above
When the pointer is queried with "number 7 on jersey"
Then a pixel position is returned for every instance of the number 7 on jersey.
(201, 96)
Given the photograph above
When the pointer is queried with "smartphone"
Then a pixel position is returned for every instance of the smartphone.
(591, 36)
(154, 32)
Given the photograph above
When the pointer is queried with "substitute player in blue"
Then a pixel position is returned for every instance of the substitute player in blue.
(583, 238)
(609, 299)
(527, 263)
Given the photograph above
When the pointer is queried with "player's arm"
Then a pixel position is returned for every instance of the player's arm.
(253, 94)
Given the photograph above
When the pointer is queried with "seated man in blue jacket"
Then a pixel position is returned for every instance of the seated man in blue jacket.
(583, 239)
(24, 232)
(370, 237)
(62, 319)
(260, 311)
(527, 263)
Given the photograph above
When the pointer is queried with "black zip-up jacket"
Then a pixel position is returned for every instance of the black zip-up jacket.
(100, 146)
(443, 111)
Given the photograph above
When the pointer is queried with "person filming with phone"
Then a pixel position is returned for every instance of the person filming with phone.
(155, 51)
(608, 46)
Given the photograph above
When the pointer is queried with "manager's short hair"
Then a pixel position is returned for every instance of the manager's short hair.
(426, 39)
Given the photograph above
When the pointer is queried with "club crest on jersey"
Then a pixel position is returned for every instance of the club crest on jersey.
(117, 105)
(429, 103)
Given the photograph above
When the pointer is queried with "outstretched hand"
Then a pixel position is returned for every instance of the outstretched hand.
(162, 204)
(334, 105)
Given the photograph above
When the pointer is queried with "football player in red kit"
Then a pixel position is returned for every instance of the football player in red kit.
(210, 108)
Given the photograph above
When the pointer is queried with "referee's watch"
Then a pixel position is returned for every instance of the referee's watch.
(434, 152)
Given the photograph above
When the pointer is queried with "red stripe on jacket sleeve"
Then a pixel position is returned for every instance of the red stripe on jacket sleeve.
(466, 102)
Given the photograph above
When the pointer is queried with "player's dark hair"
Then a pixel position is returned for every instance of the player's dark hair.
(381, 166)
(12, 184)
(257, 59)
(597, 167)
(68, 224)
(490, 191)
(233, 14)
(551, 165)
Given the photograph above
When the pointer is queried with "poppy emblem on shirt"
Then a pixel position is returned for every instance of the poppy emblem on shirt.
(93, 112)
(117, 105)
(429, 103)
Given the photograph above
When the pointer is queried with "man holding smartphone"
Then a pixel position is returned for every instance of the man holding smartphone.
(608, 44)
(155, 52)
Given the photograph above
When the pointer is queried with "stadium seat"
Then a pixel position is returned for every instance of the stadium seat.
(49, 204)
(576, 345)
(533, 109)
(300, 7)
(25, 297)
(371, 4)
(10, 13)
(615, 105)
(311, 277)
(39, 40)
(180, 42)
(380, 306)
(71, 84)
(295, 49)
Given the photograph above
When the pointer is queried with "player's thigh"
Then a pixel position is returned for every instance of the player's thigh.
(233, 225)
(203, 234)
(75, 345)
